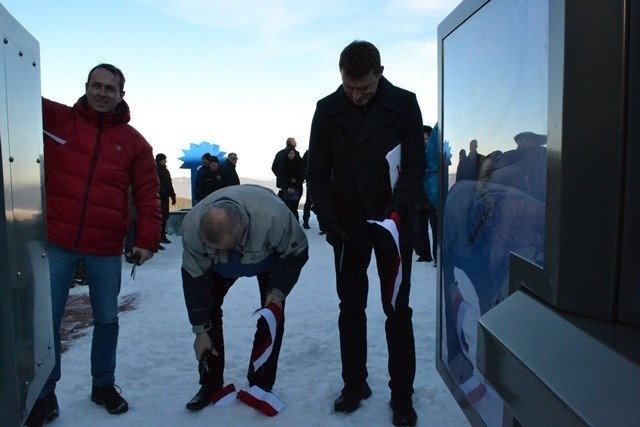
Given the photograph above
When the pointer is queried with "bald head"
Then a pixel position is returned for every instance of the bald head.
(221, 226)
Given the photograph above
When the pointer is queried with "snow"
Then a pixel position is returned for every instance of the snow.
(157, 369)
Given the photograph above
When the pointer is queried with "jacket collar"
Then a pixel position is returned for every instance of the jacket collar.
(120, 116)
(383, 110)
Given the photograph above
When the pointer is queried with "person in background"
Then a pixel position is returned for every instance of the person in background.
(213, 180)
(202, 172)
(166, 193)
(308, 202)
(352, 131)
(238, 231)
(425, 215)
(289, 180)
(92, 156)
(228, 171)
(279, 157)
(473, 162)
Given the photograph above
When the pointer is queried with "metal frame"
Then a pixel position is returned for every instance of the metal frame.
(26, 333)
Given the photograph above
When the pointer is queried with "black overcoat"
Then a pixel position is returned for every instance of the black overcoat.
(347, 172)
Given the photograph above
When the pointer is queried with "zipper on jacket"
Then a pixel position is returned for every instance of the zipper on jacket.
(94, 161)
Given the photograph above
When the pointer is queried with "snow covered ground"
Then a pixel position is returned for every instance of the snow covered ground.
(157, 370)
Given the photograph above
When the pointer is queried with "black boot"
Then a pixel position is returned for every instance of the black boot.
(207, 366)
(349, 399)
(44, 410)
(201, 399)
(403, 412)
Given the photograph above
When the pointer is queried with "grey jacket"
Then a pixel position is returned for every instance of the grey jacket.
(272, 230)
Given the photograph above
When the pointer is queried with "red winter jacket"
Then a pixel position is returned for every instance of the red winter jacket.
(91, 160)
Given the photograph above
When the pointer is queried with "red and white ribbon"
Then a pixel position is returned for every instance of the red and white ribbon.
(224, 396)
(264, 401)
(392, 224)
(271, 314)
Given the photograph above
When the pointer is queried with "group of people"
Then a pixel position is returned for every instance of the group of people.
(212, 176)
(244, 230)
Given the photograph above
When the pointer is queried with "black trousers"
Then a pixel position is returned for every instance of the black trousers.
(422, 245)
(265, 376)
(164, 206)
(353, 286)
(308, 206)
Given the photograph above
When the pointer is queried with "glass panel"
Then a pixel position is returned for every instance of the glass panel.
(494, 126)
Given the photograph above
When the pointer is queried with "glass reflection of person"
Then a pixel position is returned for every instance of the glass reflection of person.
(460, 171)
(484, 221)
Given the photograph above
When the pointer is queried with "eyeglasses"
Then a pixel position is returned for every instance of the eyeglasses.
(233, 158)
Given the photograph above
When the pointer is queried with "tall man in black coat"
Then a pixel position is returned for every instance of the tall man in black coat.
(352, 131)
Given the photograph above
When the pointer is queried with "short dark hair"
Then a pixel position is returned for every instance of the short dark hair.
(360, 58)
(427, 129)
(111, 68)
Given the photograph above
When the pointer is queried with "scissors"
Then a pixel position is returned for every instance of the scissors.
(136, 259)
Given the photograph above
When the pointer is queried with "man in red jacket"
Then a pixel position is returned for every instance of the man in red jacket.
(92, 157)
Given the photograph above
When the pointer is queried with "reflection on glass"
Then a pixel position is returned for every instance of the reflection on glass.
(494, 127)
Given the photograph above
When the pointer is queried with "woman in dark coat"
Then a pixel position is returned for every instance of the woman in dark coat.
(289, 180)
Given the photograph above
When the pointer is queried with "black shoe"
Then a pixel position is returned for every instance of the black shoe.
(201, 399)
(349, 399)
(110, 398)
(403, 412)
(161, 247)
(322, 232)
(305, 225)
(165, 240)
(423, 258)
(44, 410)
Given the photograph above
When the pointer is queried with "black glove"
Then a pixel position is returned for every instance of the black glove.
(336, 236)
(173, 200)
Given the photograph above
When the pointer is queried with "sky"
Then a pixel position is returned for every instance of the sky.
(157, 369)
(245, 75)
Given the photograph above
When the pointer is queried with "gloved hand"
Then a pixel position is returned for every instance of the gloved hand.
(336, 236)
(173, 200)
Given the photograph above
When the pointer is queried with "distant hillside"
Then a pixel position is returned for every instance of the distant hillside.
(182, 185)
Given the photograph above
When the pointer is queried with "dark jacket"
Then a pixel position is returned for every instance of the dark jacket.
(211, 181)
(229, 174)
(347, 173)
(278, 158)
(166, 185)
(291, 173)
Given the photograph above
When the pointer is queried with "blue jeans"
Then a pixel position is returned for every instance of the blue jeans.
(104, 275)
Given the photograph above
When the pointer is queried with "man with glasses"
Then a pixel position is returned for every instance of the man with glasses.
(228, 171)
(239, 231)
(352, 132)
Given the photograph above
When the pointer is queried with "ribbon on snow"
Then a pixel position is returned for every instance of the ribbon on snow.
(392, 224)
(271, 315)
(224, 396)
(262, 400)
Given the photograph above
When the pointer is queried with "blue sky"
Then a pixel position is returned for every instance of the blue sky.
(242, 74)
